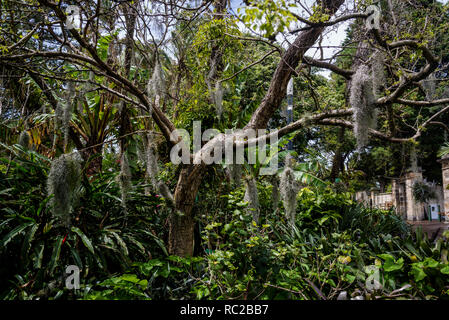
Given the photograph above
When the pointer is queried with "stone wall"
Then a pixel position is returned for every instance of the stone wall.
(375, 199)
(445, 170)
(402, 198)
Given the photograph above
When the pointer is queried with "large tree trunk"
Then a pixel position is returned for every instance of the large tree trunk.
(182, 221)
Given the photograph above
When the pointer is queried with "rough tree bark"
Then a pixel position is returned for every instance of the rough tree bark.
(182, 221)
(338, 161)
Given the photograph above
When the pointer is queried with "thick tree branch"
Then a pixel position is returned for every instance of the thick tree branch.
(423, 103)
(286, 67)
(432, 64)
(350, 125)
(24, 39)
(378, 134)
(165, 125)
(329, 66)
(327, 23)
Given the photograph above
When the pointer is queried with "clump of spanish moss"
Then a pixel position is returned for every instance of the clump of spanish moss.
(252, 197)
(156, 85)
(362, 100)
(218, 98)
(63, 181)
(63, 115)
(124, 179)
(151, 161)
(59, 115)
(24, 139)
(378, 74)
(289, 189)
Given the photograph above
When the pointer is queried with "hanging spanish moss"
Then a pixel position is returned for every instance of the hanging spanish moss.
(251, 196)
(218, 98)
(289, 189)
(362, 101)
(24, 139)
(63, 181)
(151, 162)
(378, 74)
(124, 180)
(156, 85)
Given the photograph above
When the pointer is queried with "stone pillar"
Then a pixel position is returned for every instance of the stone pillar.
(414, 209)
(395, 194)
(373, 198)
(445, 171)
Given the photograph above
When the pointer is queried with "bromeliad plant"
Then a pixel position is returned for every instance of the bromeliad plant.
(35, 247)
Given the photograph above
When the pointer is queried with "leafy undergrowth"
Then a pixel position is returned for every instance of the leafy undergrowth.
(337, 249)
(302, 265)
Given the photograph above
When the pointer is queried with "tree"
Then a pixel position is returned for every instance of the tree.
(45, 47)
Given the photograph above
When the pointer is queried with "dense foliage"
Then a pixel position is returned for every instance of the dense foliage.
(333, 250)
(88, 123)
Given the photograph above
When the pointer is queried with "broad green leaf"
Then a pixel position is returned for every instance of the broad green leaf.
(28, 239)
(120, 241)
(84, 239)
(39, 251)
(16, 231)
(418, 273)
(56, 253)
(391, 264)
